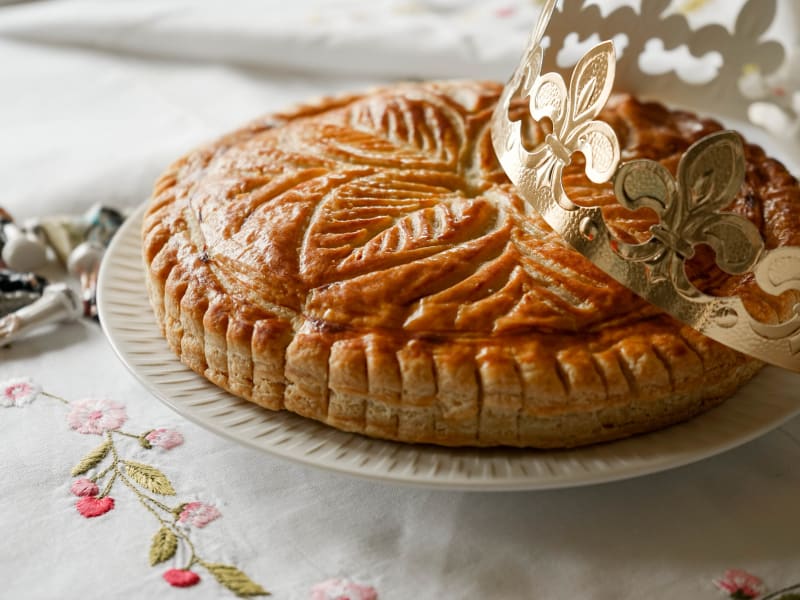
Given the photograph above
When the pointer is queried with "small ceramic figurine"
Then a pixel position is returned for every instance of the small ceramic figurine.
(64, 233)
(84, 263)
(19, 250)
(57, 304)
(103, 222)
(79, 243)
(84, 260)
(19, 289)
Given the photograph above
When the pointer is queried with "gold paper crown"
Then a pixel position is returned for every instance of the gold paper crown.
(689, 205)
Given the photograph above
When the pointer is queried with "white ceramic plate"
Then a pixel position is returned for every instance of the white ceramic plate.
(126, 317)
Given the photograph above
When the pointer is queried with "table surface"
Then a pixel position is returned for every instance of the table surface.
(96, 98)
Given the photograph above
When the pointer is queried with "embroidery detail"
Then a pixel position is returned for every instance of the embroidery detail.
(163, 438)
(92, 506)
(84, 487)
(18, 392)
(789, 593)
(163, 546)
(92, 459)
(740, 584)
(96, 416)
(198, 514)
(104, 465)
(149, 478)
(181, 578)
(234, 579)
(505, 12)
(342, 589)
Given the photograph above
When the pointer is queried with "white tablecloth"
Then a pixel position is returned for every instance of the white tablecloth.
(95, 99)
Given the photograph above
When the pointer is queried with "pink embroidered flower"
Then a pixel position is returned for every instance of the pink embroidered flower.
(84, 487)
(18, 392)
(505, 12)
(740, 584)
(93, 415)
(342, 589)
(198, 514)
(94, 507)
(181, 578)
(164, 438)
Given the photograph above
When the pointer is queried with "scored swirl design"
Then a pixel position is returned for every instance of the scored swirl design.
(401, 220)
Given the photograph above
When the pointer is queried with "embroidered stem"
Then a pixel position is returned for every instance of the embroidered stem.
(103, 417)
(788, 593)
(54, 397)
(193, 558)
(113, 448)
(107, 488)
(142, 496)
(163, 507)
(149, 508)
(146, 500)
(103, 473)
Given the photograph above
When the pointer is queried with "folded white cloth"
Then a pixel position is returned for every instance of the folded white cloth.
(383, 38)
(99, 96)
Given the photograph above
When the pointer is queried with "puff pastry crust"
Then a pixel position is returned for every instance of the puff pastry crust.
(365, 262)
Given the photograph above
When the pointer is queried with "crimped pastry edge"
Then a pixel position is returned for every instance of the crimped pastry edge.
(442, 392)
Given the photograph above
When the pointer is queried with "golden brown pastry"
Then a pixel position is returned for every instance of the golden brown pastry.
(365, 262)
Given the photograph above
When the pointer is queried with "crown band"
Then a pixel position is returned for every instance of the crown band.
(688, 206)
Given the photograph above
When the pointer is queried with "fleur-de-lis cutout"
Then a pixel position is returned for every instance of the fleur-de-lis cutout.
(527, 71)
(709, 176)
(572, 114)
(531, 64)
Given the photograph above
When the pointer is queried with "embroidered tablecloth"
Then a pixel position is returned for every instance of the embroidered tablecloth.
(106, 493)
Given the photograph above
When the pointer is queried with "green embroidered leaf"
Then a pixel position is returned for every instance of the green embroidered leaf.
(235, 580)
(150, 478)
(92, 459)
(164, 545)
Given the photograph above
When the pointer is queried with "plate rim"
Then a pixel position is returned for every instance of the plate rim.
(110, 274)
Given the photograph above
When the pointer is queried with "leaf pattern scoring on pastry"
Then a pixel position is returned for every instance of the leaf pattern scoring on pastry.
(390, 212)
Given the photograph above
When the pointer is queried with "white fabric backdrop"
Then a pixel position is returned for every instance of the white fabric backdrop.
(95, 99)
